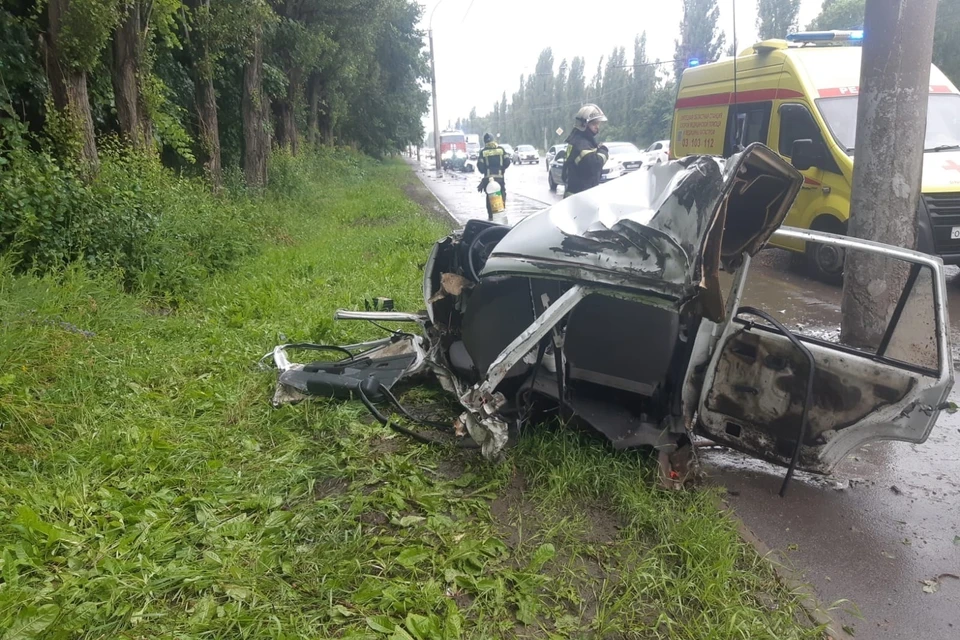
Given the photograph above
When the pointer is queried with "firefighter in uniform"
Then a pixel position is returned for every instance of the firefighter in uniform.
(585, 158)
(492, 162)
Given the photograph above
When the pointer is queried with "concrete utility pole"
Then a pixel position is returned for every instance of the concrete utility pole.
(891, 124)
(433, 85)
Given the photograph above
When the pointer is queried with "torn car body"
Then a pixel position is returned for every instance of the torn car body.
(608, 307)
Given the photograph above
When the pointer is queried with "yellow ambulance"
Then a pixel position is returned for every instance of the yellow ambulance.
(799, 97)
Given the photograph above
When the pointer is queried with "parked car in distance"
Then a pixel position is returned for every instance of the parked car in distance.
(555, 169)
(552, 153)
(612, 169)
(527, 153)
(657, 153)
(626, 153)
(509, 151)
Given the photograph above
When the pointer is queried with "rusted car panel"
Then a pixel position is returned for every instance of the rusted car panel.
(608, 308)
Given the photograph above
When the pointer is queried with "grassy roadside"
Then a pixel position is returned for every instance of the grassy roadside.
(147, 490)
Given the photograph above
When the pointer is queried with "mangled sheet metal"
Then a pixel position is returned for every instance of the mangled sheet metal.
(606, 309)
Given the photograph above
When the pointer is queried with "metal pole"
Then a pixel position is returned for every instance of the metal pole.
(436, 119)
(891, 124)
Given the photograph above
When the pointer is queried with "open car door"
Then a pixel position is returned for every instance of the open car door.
(757, 393)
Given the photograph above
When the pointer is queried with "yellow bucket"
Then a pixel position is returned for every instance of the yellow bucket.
(496, 202)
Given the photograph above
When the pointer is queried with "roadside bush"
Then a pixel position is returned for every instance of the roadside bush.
(164, 233)
(290, 175)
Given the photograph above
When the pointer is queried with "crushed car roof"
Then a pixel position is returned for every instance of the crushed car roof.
(664, 232)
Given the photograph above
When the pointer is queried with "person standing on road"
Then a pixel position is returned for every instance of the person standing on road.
(585, 158)
(492, 163)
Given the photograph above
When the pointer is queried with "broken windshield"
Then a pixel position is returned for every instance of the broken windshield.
(943, 121)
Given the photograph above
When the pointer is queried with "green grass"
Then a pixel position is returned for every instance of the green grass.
(148, 490)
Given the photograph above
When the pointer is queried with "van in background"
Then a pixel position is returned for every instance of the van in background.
(799, 97)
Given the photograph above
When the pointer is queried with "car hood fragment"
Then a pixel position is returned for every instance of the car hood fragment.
(666, 230)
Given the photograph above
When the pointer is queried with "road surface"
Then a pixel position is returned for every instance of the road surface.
(871, 534)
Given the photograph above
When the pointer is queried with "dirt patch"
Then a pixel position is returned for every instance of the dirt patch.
(330, 488)
(374, 519)
(418, 192)
(512, 508)
(603, 526)
(385, 446)
(452, 468)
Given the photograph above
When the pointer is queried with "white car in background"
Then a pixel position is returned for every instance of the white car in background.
(527, 153)
(626, 154)
(657, 153)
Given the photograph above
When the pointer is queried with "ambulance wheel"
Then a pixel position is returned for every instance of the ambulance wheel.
(553, 185)
(825, 263)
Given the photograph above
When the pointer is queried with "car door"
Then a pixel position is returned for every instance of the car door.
(753, 383)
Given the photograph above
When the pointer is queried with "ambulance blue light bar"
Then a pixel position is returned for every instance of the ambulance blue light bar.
(853, 37)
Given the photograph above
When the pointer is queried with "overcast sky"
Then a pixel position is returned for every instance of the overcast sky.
(482, 46)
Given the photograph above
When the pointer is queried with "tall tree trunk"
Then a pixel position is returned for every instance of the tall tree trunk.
(285, 111)
(209, 123)
(313, 105)
(206, 101)
(68, 86)
(134, 121)
(294, 97)
(256, 140)
(325, 117)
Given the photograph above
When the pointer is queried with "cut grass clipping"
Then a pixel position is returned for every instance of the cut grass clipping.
(148, 490)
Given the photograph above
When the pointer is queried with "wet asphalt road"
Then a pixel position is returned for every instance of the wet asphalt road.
(869, 535)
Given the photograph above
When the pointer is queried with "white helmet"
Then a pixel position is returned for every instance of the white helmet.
(589, 113)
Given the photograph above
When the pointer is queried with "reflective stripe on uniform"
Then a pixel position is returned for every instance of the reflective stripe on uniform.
(583, 154)
(490, 153)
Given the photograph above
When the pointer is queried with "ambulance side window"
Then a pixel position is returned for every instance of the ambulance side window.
(796, 123)
(747, 123)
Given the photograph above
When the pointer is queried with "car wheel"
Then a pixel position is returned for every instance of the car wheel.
(551, 183)
(825, 263)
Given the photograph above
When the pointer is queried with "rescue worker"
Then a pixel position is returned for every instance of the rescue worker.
(585, 158)
(492, 163)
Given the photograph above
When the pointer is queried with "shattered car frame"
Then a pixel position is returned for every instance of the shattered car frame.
(608, 308)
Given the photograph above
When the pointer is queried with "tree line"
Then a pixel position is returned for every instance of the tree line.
(213, 84)
(637, 93)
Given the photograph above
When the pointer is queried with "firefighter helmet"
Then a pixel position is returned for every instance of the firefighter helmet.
(589, 113)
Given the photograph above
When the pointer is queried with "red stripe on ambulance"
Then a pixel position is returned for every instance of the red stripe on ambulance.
(728, 98)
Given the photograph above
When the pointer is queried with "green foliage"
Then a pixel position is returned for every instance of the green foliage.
(85, 30)
(848, 14)
(700, 37)
(148, 489)
(777, 18)
(839, 14)
(24, 85)
(162, 234)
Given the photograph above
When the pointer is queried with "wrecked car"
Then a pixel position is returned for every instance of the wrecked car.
(620, 308)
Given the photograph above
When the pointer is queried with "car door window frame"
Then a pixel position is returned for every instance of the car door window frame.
(917, 262)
